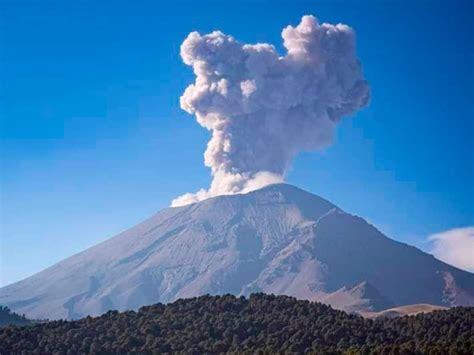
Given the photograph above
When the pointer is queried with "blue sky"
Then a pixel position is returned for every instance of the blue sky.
(93, 139)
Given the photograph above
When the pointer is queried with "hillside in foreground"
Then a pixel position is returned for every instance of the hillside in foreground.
(261, 323)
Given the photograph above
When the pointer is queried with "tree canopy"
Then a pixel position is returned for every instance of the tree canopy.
(7, 317)
(258, 324)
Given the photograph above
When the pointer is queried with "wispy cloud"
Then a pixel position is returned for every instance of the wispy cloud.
(455, 247)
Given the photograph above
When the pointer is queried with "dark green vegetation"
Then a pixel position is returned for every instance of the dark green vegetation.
(265, 323)
(8, 317)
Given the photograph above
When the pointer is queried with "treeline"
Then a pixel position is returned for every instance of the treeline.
(7, 317)
(264, 324)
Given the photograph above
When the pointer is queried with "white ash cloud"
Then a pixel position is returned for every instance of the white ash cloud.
(455, 247)
(262, 108)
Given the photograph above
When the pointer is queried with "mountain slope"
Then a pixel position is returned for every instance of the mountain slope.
(361, 297)
(279, 239)
(401, 311)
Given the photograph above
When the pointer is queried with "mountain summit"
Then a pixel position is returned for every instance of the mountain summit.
(279, 239)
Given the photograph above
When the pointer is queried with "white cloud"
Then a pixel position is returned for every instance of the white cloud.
(455, 247)
(228, 185)
(263, 108)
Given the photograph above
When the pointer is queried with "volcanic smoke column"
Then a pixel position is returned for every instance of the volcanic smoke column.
(262, 108)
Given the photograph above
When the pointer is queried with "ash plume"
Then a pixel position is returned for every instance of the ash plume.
(263, 109)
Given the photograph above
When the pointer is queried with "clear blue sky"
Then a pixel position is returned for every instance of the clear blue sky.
(93, 139)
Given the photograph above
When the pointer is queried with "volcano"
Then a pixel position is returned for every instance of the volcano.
(279, 239)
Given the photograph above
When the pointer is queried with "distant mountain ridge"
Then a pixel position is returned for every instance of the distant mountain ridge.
(360, 297)
(279, 239)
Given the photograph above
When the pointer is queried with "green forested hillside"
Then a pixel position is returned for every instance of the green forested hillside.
(8, 317)
(262, 323)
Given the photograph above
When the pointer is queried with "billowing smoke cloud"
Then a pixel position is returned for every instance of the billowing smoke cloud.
(262, 108)
(455, 247)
